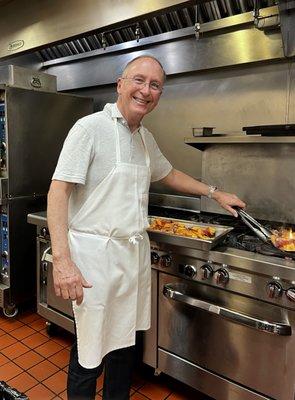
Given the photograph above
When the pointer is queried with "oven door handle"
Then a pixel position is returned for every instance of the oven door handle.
(271, 327)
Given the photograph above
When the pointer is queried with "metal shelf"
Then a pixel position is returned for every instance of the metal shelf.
(203, 141)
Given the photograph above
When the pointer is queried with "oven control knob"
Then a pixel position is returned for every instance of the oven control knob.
(274, 289)
(4, 254)
(165, 260)
(221, 276)
(290, 293)
(44, 266)
(206, 271)
(155, 258)
(190, 271)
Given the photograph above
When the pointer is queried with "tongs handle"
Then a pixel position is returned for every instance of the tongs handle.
(262, 232)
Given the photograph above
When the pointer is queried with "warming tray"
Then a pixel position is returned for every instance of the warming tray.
(195, 243)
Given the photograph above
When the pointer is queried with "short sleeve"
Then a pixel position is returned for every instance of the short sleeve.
(160, 166)
(76, 156)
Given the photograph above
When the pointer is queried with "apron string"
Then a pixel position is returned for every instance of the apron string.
(118, 150)
(135, 238)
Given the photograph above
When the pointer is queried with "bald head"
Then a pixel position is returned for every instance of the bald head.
(136, 59)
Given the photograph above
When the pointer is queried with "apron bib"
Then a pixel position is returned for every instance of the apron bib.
(110, 246)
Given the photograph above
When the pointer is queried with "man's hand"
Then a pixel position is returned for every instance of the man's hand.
(68, 280)
(227, 200)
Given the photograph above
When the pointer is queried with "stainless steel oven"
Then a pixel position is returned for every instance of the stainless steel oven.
(225, 323)
(235, 355)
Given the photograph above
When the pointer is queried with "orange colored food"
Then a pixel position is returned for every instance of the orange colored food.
(181, 229)
(284, 239)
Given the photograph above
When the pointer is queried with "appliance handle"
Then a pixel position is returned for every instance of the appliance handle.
(46, 256)
(271, 327)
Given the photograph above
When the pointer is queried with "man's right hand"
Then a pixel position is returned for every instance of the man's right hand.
(68, 280)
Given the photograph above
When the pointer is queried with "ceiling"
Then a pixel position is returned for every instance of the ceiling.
(171, 21)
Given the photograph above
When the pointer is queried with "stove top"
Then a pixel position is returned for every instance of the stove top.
(241, 237)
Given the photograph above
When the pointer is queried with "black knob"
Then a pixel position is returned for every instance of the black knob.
(155, 257)
(165, 260)
(221, 276)
(206, 271)
(274, 289)
(4, 254)
(290, 293)
(44, 266)
(190, 271)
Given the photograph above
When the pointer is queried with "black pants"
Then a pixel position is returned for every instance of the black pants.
(118, 367)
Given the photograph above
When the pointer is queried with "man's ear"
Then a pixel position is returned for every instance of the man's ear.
(119, 85)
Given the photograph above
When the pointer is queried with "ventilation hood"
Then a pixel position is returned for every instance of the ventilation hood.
(27, 25)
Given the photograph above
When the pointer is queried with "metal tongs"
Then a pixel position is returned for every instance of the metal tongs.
(260, 230)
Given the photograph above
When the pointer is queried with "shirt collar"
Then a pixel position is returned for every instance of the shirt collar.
(113, 111)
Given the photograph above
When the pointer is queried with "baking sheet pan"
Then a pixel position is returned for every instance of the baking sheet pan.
(196, 243)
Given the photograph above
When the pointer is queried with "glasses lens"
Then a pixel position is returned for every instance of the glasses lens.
(155, 86)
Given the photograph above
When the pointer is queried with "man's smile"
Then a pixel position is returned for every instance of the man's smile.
(140, 101)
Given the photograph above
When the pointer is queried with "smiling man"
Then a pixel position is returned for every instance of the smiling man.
(97, 217)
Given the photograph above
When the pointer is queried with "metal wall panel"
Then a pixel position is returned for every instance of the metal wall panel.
(228, 100)
(262, 175)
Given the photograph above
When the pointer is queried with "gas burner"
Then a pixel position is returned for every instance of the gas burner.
(269, 250)
(242, 241)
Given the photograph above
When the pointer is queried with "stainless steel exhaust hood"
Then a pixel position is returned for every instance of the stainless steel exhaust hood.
(31, 24)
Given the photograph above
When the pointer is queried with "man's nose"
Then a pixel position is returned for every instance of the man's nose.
(146, 89)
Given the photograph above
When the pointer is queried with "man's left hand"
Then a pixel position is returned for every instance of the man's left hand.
(227, 201)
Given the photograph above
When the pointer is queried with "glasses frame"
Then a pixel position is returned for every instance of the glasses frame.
(143, 84)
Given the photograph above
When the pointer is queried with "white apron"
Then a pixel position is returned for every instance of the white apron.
(110, 246)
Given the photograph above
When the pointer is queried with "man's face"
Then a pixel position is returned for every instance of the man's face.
(135, 98)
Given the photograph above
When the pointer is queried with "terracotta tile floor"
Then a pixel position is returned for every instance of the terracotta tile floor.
(36, 364)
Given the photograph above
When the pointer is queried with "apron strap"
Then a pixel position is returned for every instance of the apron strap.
(118, 149)
(147, 156)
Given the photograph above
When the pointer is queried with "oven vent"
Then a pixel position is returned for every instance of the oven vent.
(168, 22)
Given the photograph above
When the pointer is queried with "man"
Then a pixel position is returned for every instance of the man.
(97, 216)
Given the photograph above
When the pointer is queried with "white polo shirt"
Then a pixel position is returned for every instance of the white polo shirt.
(89, 153)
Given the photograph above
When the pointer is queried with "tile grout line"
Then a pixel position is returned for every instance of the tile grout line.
(63, 347)
(168, 396)
(30, 349)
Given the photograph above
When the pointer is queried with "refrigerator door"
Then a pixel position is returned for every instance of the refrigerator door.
(37, 124)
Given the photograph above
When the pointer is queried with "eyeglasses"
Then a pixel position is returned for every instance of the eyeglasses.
(141, 83)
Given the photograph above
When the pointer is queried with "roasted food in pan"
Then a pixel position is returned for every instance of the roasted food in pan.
(182, 229)
(283, 239)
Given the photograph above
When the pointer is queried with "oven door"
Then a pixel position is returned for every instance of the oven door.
(54, 308)
(231, 346)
